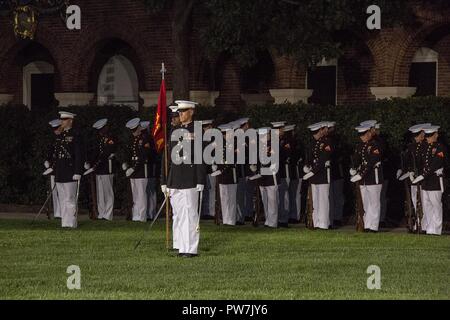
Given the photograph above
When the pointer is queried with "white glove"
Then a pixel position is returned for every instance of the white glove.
(399, 173)
(406, 175)
(89, 171)
(129, 172)
(411, 176)
(87, 166)
(216, 173)
(76, 177)
(439, 172)
(200, 187)
(273, 167)
(111, 156)
(253, 168)
(356, 178)
(306, 169)
(308, 175)
(164, 188)
(46, 164)
(327, 164)
(353, 172)
(256, 176)
(47, 172)
(124, 166)
(214, 167)
(418, 179)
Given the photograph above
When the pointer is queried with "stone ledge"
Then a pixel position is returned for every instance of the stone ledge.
(392, 92)
(290, 95)
(74, 98)
(6, 98)
(151, 98)
(206, 98)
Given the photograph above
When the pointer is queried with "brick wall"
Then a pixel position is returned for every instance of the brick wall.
(77, 57)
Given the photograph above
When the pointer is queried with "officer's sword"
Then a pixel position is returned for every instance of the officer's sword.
(76, 198)
(153, 222)
(199, 211)
(43, 206)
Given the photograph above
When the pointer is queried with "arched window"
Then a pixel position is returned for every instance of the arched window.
(118, 83)
(38, 85)
(424, 72)
(322, 79)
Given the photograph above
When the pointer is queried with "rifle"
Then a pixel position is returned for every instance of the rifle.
(419, 209)
(309, 203)
(408, 199)
(359, 207)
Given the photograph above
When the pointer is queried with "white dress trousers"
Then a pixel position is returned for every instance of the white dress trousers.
(269, 198)
(228, 203)
(432, 212)
(140, 199)
(67, 195)
(371, 198)
(55, 200)
(185, 203)
(321, 205)
(105, 196)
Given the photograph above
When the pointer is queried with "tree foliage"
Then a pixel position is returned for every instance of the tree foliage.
(305, 29)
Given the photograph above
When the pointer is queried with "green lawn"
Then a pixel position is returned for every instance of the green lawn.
(234, 263)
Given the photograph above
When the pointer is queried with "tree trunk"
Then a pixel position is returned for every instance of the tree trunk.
(181, 27)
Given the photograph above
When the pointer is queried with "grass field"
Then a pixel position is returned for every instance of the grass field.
(234, 263)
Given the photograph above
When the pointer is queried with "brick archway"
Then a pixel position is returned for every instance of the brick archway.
(11, 47)
(410, 40)
(84, 53)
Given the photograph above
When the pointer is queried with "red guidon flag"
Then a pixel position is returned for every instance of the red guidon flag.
(160, 119)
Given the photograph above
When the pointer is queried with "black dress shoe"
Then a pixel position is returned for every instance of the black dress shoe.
(238, 223)
(187, 255)
(283, 225)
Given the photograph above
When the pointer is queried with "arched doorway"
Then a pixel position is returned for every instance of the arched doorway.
(322, 79)
(116, 73)
(38, 85)
(38, 76)
(118, 83)
(423, 73)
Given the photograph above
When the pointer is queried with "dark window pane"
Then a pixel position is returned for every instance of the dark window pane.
(423, 76)
(323, 81)
(42, 91)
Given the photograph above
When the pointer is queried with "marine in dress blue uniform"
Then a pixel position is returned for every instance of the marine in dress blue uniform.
(68, 169)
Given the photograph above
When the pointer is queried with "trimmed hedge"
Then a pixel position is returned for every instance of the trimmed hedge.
(25, 135)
